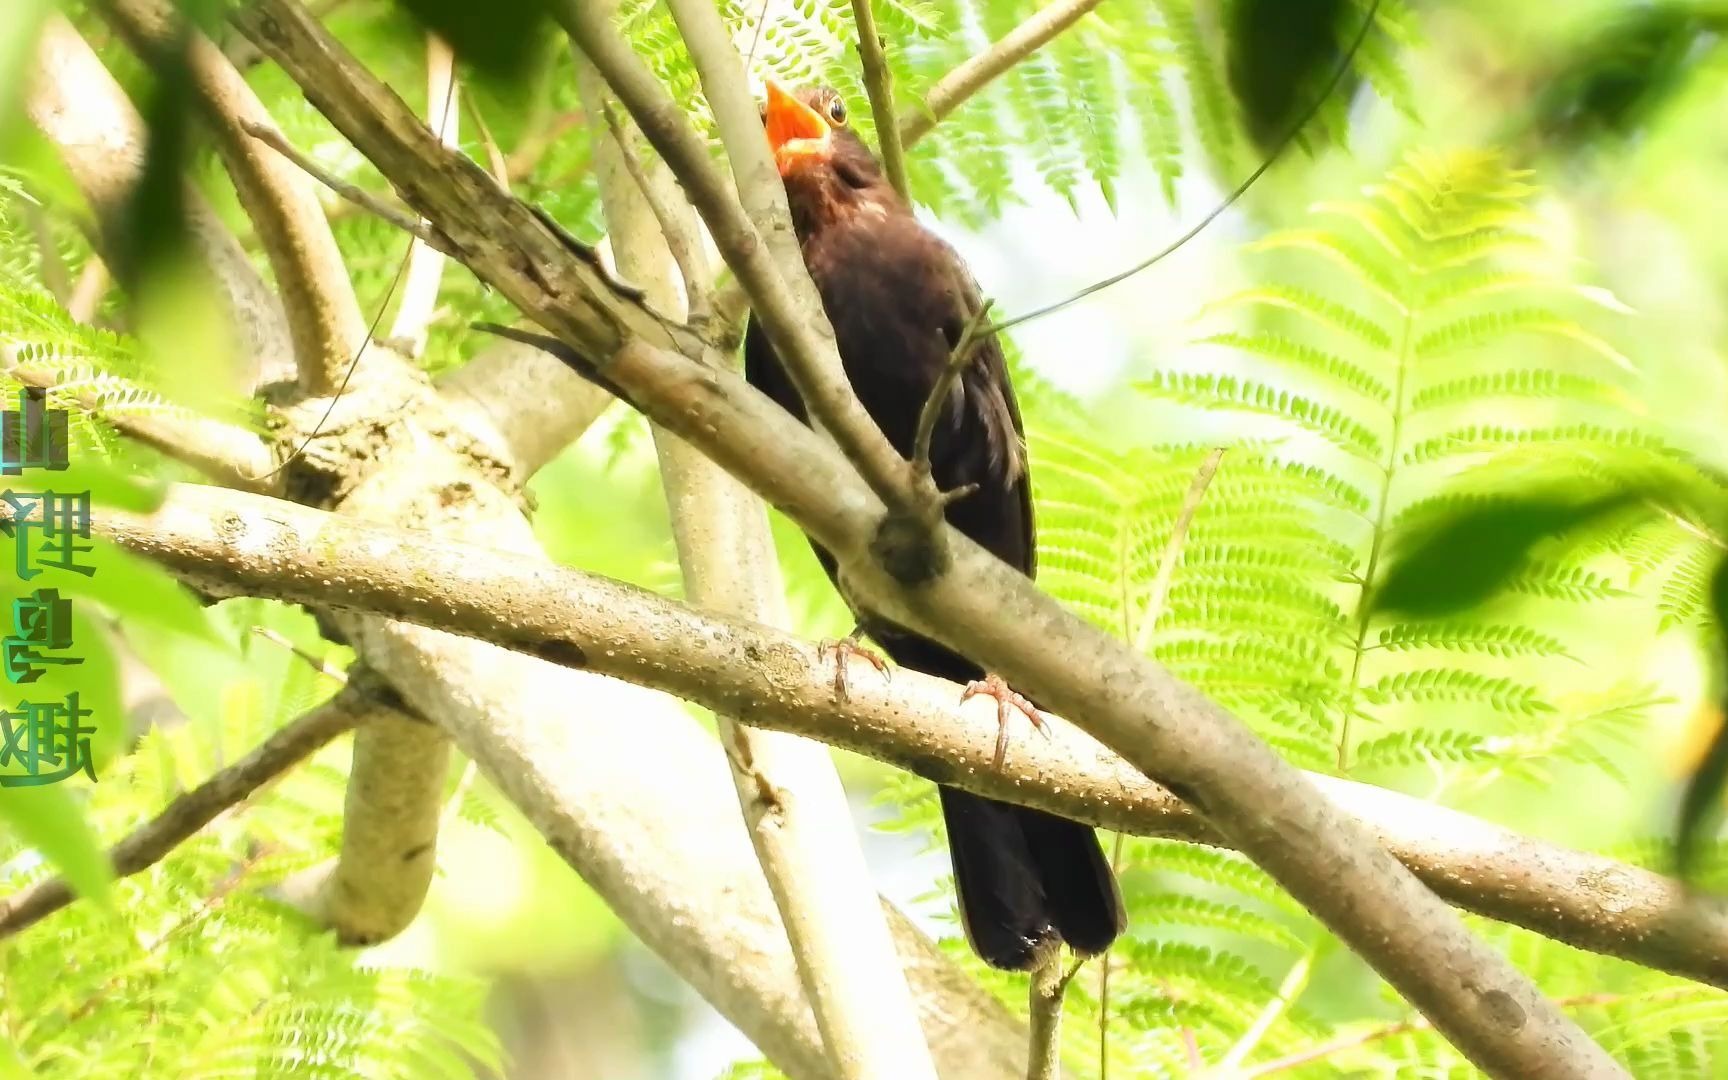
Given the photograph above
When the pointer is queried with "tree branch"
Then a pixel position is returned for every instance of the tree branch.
(972, 76)
(79, 107)
(671, 210)
(1044, 993)
(353, 193)
(754, 236)
(324, 316)
(523, 404)
(231, 544)
(879, 84)
(790, 794)
(954, 592)
(181, 819)
(228, 455)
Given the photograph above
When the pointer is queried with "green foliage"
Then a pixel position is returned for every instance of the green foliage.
(1388, 358)
(1089, 109)
(193, 964)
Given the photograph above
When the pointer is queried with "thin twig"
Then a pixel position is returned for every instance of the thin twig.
(316, 663)
(425, 273)
(680, 240)
(182, 818)
(1229, 200)
(1044, 995)
(1172, 554)
(496, 161)
(1295, 981)
(879, 83)
(355, 194)
(958, 361)
(1149, 616)
(974, 74)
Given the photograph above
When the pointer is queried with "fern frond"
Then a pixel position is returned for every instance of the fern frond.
(1503, 640)
(1230, 392)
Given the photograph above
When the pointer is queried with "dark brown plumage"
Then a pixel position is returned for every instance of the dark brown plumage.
(899, 299)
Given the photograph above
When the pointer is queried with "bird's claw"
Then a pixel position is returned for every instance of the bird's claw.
(840, 650)
(1007, 698)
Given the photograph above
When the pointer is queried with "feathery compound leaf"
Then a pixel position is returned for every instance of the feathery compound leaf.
(1434, 685)
(1503, 640)
(1230, 392)
(1422, 746)
(1297, 354)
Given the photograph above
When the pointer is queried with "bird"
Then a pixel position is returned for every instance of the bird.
(900, 300)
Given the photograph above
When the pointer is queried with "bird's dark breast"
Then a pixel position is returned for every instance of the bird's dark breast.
(890, 289)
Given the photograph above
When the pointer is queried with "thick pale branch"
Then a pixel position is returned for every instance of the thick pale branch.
(323, 315)
(790, 794)
(378, 881)
(182, 818)
(524, 404)
(241, 545)
(972, 76)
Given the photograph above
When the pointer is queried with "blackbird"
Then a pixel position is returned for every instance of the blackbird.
(900, 299)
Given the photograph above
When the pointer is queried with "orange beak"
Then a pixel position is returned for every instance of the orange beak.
(796, 132)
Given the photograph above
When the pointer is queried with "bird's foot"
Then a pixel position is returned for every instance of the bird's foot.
(1007, 698)
(842, 650)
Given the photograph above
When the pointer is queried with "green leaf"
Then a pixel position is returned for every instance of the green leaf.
(139, 591)
(1464, 560)
(499, 37)
(50, 820)
(1701, 804)
(20, 21)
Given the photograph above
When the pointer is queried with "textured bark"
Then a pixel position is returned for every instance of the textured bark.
(240, 545)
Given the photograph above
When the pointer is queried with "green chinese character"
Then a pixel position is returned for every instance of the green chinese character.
(48, 739)
(33, 436)
(48, 526)
(43, 621)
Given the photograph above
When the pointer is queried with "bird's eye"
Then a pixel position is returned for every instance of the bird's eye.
(837, 111)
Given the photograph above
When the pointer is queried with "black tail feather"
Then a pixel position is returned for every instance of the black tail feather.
(1079, 886)
(1026, 880)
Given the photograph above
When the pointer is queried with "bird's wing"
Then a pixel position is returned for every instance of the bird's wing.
(990, 391)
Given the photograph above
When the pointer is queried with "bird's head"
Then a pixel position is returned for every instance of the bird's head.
(828, 171)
